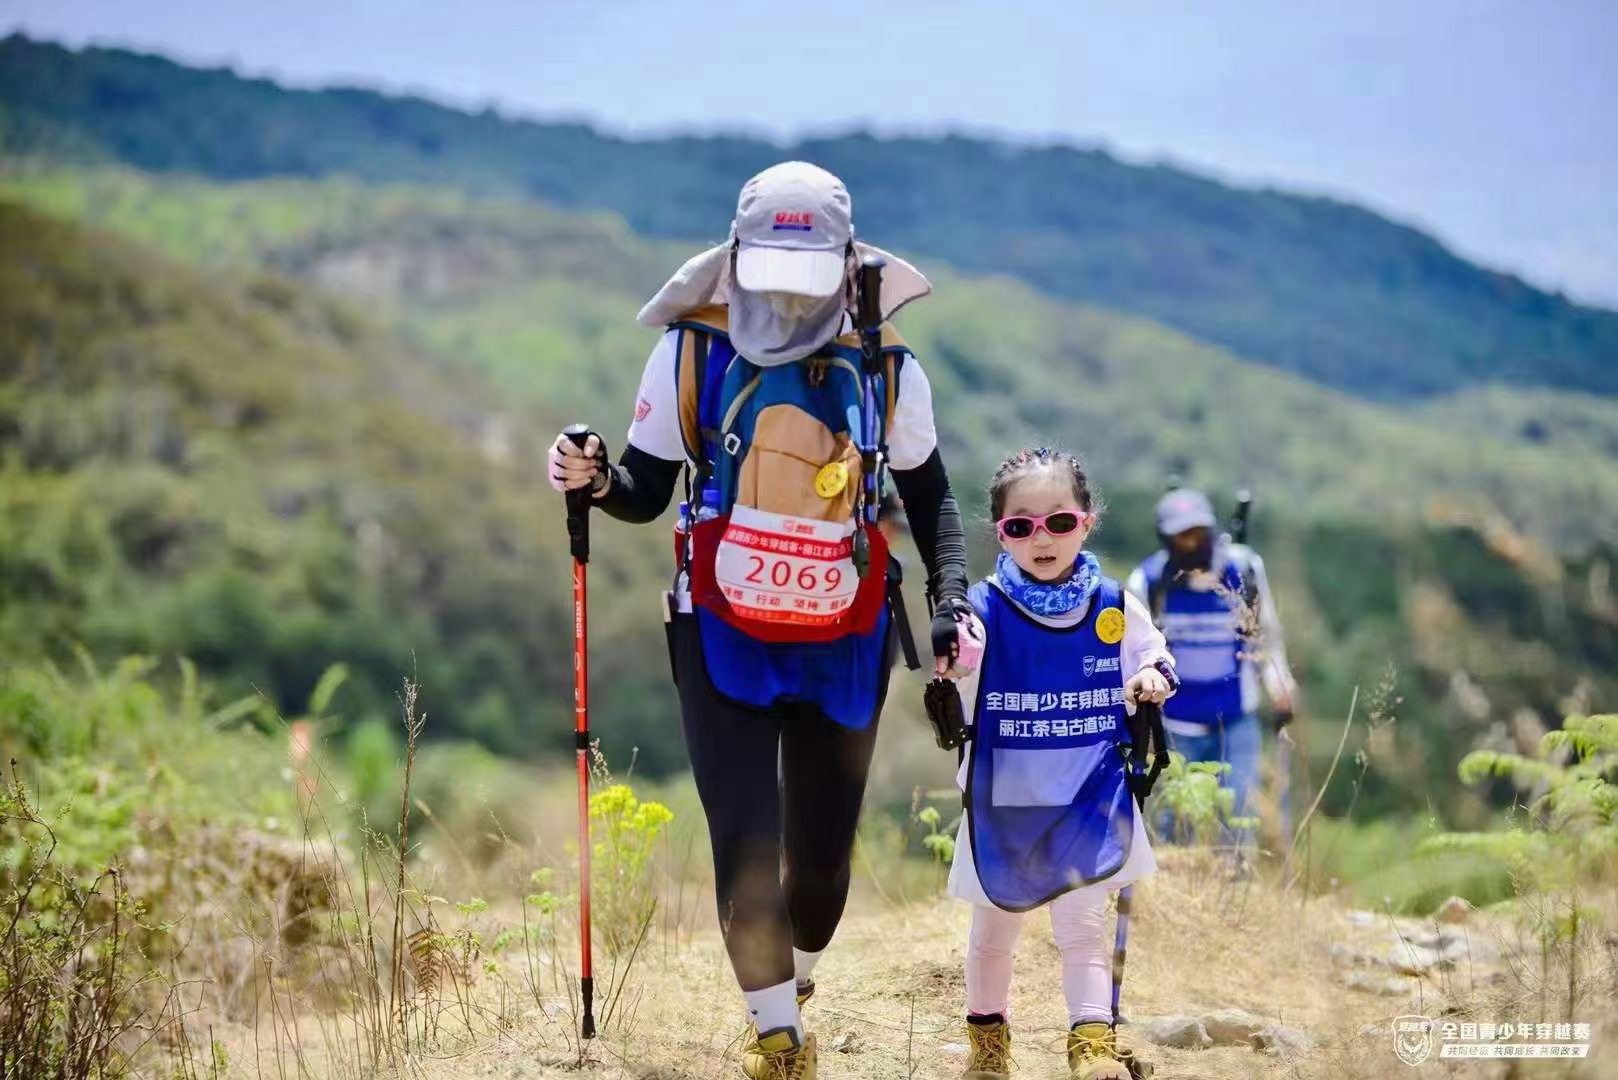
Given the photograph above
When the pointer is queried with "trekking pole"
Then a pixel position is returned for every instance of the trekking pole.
(578, 535)
(868, 313)
(1120, 946)
(1238, 521)
(1283, 741)
(1283, 766)
(1142, 767)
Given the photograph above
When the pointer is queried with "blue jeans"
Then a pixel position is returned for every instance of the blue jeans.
(1238, 743)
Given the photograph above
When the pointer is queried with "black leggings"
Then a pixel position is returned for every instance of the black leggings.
(781, 788)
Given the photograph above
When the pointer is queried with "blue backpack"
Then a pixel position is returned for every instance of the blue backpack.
(778, 475)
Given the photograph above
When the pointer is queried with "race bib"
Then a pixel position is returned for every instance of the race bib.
(784, 569)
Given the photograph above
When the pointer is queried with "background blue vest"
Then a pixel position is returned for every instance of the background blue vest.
(1204, 634)
(1048, 805)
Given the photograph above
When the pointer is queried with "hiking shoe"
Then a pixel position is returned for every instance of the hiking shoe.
(806, 990)
(1092, 1053)
(990, 1055)
(777, 1055)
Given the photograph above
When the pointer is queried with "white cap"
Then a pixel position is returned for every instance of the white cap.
(794, 222)
(1182, 509)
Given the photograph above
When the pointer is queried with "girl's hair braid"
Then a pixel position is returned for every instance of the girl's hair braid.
(1027, 461)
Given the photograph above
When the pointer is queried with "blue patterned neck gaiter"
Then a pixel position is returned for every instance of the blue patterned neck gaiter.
(1050, 600)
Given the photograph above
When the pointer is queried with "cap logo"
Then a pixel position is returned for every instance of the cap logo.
(794, 221)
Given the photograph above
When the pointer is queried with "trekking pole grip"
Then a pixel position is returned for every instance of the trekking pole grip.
(578, 501)
(1148, 751)
(868, 301)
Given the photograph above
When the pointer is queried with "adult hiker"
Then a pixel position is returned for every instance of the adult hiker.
(782, 416)
(1213, 602)
(1051, 818)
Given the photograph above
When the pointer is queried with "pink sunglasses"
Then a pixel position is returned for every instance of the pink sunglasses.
(1057, 523)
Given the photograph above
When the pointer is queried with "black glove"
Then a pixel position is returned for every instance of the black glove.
(945, 640)
(943, 703)
(604, 464)
(577, 437)
(1283, 717)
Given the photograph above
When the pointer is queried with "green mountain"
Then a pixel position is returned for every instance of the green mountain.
(542, 303)
(1308, 285)
(1457, 579)
(227, 466)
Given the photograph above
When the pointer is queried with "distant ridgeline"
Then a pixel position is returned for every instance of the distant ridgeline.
(1310, 285)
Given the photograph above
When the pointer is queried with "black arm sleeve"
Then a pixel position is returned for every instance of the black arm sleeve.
(935, 522)
(642, 485)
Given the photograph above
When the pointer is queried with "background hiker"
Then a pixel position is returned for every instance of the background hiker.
(1213, 602)
(1050, 819)
(781, 646)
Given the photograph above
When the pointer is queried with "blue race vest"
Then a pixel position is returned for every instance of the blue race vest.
(1204, 634)
(1047, 801)
(845, 676)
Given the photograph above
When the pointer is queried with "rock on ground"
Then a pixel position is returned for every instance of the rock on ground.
(1387, 985)
(1281, 1039)
(1233, 1027)
(1178, 1032)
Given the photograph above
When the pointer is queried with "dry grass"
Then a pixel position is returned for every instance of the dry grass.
(891, 987)
(306, 974)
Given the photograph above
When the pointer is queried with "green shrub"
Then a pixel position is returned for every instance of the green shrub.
(73, 979)
(1190, 792)
(1565, 845)
(625, 836)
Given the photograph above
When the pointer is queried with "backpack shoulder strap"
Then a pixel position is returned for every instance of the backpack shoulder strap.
(697, 330)
(894, 351)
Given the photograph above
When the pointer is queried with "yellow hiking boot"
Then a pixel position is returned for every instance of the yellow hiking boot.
(779, 1056)
(990, 1055)
(1092, 1053)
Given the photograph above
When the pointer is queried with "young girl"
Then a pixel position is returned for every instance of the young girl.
(1049, 818)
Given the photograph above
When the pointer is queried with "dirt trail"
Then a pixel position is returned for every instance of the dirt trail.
(890, 992)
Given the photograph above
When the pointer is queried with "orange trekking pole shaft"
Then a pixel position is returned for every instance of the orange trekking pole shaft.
(578, 534)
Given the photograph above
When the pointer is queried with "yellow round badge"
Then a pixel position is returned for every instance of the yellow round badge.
(1110, 625)
(831, 480)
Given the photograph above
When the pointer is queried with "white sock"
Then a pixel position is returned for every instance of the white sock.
(775, 1007)
(803, 964)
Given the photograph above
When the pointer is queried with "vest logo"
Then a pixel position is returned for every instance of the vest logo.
(1106, 663)
(794, 221)
(643, 409)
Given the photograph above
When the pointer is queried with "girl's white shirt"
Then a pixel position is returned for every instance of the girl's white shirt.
(1143, 646)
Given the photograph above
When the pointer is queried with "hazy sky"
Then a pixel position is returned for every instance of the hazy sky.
(1492, 123)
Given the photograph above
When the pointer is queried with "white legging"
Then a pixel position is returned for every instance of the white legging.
(1078, 922)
